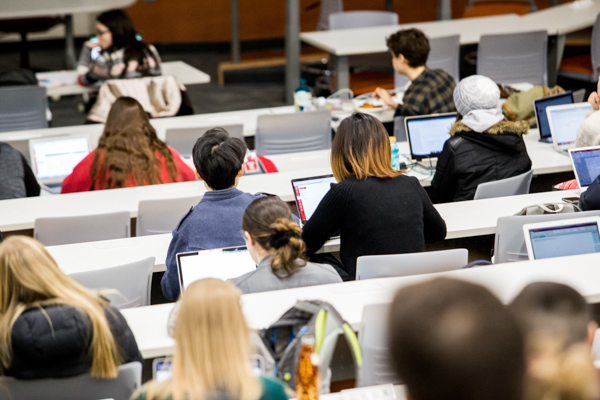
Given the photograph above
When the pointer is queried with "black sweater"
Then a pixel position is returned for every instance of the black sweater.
(375, 216)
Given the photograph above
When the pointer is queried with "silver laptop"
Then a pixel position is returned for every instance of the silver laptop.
(564, 121)
(567, 237)
(309, 192)
(426, 134)
(224, 264)
(53, 159)
(586, 165)
(539, 108)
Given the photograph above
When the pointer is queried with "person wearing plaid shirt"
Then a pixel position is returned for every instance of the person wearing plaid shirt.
(430, 91)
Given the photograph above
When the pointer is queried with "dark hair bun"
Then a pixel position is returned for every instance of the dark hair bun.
(281, 238)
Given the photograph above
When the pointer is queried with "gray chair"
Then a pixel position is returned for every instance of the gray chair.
(328, 7)
(444, 55)
(504, 187)
(131, 281)
(81, 387)
(390, 265)
(162, 215)
(514, 58)
(84, 228)
(293, 133)
(361, 19)
(579, 96)
(376, 367)
(22, 108)
(184, 139)
(509, 243)
(400, 129)
(595, 59)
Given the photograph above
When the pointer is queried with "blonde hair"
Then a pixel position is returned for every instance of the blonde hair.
(361, 147)
(29, 277)
(212, 346)
(268, 220)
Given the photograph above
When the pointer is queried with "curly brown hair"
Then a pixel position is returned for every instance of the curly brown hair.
(412, 44)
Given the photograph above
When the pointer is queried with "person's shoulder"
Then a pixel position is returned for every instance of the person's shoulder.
(243, 279)
(272, 389)
(325, 269)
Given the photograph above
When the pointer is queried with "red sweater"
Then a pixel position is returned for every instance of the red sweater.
(80, 179)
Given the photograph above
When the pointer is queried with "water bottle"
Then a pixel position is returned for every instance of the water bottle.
(395, 154)
(303, 97)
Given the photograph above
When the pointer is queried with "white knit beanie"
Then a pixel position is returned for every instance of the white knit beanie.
(476, 92)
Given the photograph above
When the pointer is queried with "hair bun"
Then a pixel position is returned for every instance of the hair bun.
(281, 238)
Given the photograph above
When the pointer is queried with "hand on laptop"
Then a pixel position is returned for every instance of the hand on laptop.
(383, 94)
(594, 99)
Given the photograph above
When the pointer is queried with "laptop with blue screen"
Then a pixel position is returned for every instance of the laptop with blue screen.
(567, 237)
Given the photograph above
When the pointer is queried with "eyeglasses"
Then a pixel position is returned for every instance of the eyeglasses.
(100, 33)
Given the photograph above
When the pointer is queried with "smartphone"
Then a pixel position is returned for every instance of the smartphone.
(161, 369)
(96, 51)
(571, 200)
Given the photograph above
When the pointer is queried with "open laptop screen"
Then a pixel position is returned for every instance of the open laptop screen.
(309, 192)
(587, 165)
(222, 264)
(540, 106)
(57, 158)
(565, 240)
(565, 122)
(427, 135)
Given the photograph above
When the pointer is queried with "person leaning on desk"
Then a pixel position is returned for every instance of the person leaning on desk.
(430, 90)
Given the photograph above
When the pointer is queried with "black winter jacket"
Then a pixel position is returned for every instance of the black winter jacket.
(40, 351)
(470, 158)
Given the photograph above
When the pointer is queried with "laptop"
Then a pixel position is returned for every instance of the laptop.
(309, 192)
(53, 159)
(564, 121)
(567, 237)
(426, 134)
(539, 108)
(224, 264)
(586, 165)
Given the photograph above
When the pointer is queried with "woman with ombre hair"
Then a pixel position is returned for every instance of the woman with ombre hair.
(376, 209)
(50, 325)
(212, 350)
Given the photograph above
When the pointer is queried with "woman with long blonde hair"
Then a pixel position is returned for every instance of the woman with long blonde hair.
(212, 350)
(51, 326)
(129, 153)
(376, 209)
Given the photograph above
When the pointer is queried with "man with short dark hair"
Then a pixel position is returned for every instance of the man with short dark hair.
(216, 221)
(430, 91)
(453, 340)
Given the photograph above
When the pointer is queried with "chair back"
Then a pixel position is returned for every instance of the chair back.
(81, 387)
(444, 55)
(328, 7)
(85, 228)
(162, 215)
(293, 133)
(361, 19)
(22, 108)
(509, 243)
(376, 367)
(390, 265)
(400, 129)
(184, 139)
(504, 187)
(578, 95)
(514, 58)
(131, 281)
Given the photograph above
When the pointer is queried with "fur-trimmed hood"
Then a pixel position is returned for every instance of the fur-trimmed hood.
(503, 127)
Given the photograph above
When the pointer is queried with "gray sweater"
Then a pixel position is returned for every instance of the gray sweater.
(264, 280)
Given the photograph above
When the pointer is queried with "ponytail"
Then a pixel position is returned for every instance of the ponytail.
(268, 220)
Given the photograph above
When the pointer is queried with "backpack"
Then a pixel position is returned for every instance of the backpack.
(282, 339)
(519, 105)
(549, 208)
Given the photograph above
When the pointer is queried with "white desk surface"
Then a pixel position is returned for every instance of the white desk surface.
(262, 309)
(39, 8)
(185, 73)
(463, 219)
(561, 19)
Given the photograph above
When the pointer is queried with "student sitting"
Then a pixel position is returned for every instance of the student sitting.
(453, 340)
(122, 54)
(483, 147)
(275, 243)
(430, 90)
(51, 326)
(212, 350)
(377, 209)
(129, 153)
(16, 177)
(216, 221)
(559, 329)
